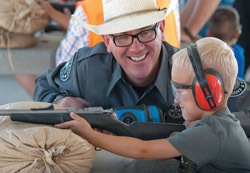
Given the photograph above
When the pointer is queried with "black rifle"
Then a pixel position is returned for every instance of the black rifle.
(97, 118)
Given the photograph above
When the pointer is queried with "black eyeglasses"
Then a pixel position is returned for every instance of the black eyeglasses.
(143, 37)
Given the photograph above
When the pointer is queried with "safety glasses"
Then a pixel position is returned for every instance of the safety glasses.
(181, 92)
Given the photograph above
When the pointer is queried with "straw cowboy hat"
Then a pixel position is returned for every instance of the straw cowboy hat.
(125, 15)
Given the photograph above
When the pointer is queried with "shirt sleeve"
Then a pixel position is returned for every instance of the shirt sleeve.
(199, 144)
(44, 91)
(59, 82)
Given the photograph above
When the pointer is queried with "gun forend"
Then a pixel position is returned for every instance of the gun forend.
(98, 119)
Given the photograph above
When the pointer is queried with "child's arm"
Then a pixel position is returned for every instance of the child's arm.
(124, 146)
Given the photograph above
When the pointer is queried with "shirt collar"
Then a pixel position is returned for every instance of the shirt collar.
(222, 112)
(116, 75)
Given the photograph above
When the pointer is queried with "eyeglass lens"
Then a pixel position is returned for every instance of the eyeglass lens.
(181, 95)
(143, 37)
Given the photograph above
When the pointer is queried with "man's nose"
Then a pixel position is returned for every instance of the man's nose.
(136, 45)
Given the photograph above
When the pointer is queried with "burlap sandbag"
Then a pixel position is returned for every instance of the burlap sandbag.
(41, 148)
(12, 40)
(22, 16)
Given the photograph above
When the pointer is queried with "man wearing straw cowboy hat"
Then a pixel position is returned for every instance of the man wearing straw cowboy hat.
(129, 68)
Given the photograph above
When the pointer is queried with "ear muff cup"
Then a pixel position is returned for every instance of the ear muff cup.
(216, 86)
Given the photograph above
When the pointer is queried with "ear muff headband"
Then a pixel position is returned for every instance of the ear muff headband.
(208, 88)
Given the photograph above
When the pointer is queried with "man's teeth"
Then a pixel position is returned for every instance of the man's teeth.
(138, 58)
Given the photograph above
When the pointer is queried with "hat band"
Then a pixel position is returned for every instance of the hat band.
(130, 14)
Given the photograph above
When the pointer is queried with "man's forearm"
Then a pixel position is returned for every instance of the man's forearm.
(203, 11)
(196, 13)
(61, 19)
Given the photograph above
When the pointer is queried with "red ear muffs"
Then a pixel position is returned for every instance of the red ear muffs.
(207, 87)
(216, 87)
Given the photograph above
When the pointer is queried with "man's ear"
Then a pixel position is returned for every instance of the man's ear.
(107, 40)
(162, 28)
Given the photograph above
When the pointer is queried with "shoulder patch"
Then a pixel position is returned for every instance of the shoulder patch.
(175, 111)
(65, 71)
(240, 87)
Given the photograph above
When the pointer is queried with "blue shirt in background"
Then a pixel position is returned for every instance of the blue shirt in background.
(239, 55)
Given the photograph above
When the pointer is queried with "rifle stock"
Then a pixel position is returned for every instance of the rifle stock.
(101, 120)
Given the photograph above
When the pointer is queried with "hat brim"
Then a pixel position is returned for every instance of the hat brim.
(127, 23)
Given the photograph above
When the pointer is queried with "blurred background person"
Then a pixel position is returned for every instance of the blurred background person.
(225, 25)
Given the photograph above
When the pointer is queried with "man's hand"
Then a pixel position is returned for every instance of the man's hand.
(78, 125)
(72, 102)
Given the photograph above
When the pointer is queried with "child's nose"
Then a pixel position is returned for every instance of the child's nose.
(176, 100)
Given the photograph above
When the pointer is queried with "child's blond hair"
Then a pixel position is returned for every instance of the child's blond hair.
(215, 54)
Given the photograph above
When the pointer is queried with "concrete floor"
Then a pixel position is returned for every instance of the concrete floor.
(11, 91)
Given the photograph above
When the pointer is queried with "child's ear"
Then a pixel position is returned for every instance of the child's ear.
(208, 33)
(235, 38)
(237, 34)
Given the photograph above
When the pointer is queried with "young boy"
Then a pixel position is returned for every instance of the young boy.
(216, 143)
(225, 25)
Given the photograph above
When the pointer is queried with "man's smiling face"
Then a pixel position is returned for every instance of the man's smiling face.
(140, 61)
